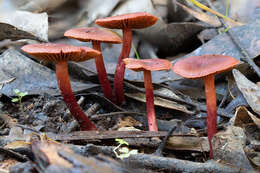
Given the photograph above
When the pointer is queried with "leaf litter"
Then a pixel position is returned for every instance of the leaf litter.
(49, 133)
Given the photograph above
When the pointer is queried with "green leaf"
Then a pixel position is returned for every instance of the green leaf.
(22, 94)
(127, 154)
(121, 156)
(124, 150)
(133, 152)
(17, 91)
(15, 100)
(121, 141)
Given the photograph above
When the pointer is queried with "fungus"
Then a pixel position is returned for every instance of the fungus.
(126, 22)
(96, 36)
(61, 53)
(148, 65)
(206, 67)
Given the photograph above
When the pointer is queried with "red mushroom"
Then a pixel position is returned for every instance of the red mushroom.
(61, 53)
(96, 36)
(206, 67)
(147, 66)
(126, 22)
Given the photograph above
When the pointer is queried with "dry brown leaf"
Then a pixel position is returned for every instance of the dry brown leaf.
(5, 164)
(228, 147)
(188, 143)
(17, 144)
(250, 90)
(202, 16)
(243, 117)
(160, 102)
(48, 151)
(128, 122)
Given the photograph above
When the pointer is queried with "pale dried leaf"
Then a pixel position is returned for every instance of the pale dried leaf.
(189, 143)
(98, 8)
(202, 16)
(23, 25)
(37, 6)
(243, 10)
(250, 90)
(131, 6)
(30, 76)
(160, 102)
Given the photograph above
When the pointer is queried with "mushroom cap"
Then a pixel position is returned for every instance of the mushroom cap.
(132, 20)
(93, 34)
(195, 67)
(60, 52)
(147, 64)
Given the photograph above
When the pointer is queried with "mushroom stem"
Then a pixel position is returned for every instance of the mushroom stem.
(120, 68)
(152, 123)
(102, 74)
(211, 109)
(69, 99)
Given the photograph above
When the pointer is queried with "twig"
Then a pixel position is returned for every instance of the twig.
(28, 128)
(177, 165)
(224, 98)
(159, 150)
(14, 155)
(93, 109)
(103, 135)
(243, 51)
(161, 95)
(100, 116)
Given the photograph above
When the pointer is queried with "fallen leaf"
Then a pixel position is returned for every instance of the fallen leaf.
(243, 118)
(48, 152)
(159, 102)
(189, 143)
(98, 9)
(250, 90)
(37, 6)
(204, 17)
(243, 10)
(247, 35)
(30, 76)
(17, 25)
(228, 147)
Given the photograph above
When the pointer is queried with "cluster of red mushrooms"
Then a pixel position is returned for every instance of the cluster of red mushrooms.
(195, 67)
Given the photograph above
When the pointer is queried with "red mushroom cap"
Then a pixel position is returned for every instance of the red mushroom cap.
(147, 64)
(199, 66)
(132, 20)
(60, 52)
(93, 34)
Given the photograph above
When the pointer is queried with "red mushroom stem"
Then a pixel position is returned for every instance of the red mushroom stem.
(120, 68)
(66, 91)
(152, 123)
(102, 74)
(211, 109)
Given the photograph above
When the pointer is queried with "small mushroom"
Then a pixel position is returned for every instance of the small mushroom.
(126, 22)
(206, 67)
(148, 65)
(96, 36)
(61, 53)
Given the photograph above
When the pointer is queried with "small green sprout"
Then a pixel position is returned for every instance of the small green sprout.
(124, 151)
(136, 53)
(222, 30)
(19, 94)
(19, 98)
